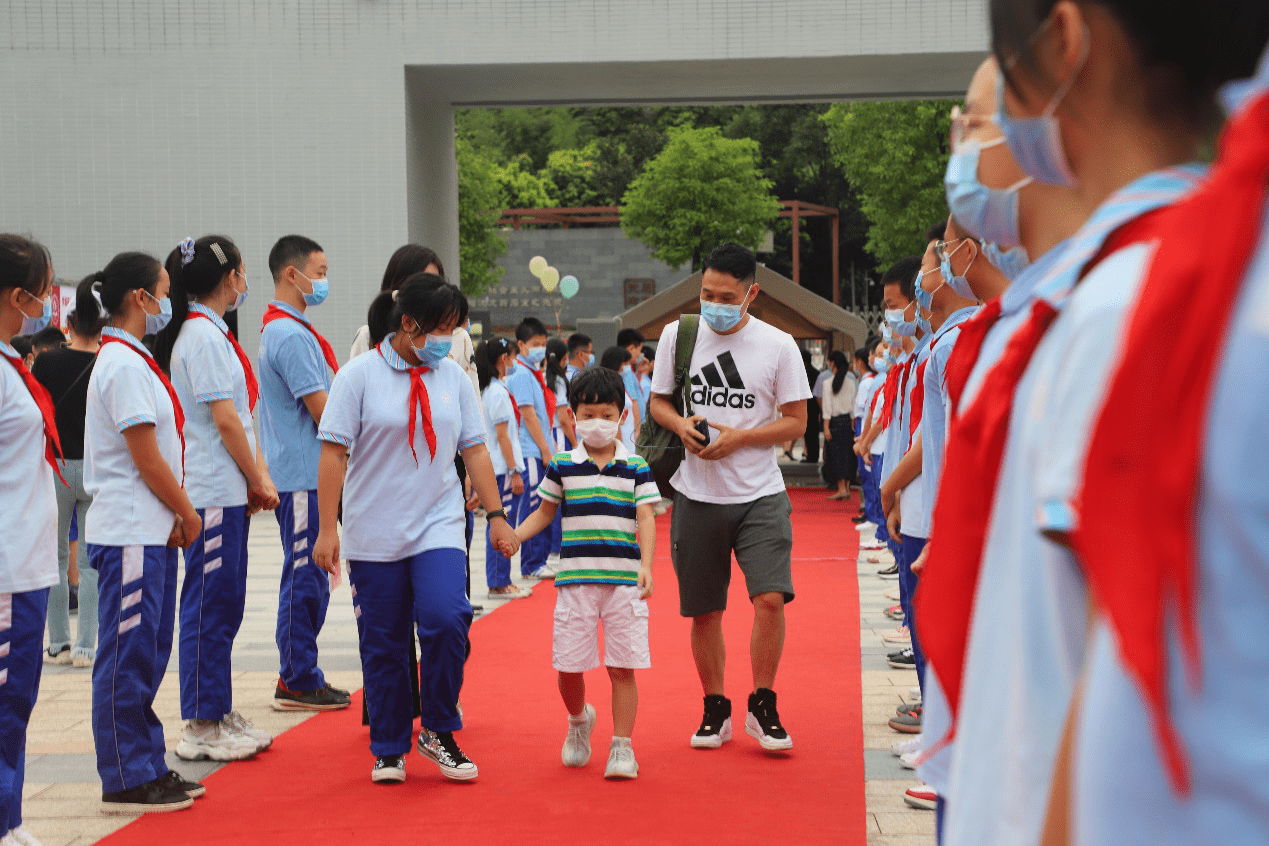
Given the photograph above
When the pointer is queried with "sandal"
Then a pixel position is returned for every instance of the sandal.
(508, 592)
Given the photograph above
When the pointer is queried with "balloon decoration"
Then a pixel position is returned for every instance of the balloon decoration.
(550, 278)
(569, 287)
(537, 264)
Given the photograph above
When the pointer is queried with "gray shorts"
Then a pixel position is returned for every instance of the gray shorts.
(703, 536)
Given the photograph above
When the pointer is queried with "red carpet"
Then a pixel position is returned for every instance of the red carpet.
(314, 784)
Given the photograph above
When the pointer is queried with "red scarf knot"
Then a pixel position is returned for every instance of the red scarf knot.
(965, 353)
(273, 313)
(419, 400)
(548, 395)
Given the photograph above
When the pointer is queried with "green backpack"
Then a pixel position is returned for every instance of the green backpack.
(661, 448)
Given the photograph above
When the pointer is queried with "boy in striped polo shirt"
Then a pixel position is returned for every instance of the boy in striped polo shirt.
(605, 571)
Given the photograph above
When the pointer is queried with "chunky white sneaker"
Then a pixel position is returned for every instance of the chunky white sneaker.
(23, 837)
(546, 571)
(208, 739)
(763, 722)
(238, 724)
(441, 748)
(715, 727)
(9, 840)
(903, 747)
(915, 694)
(908, 760)
(621, 760)
(871, 543)
(576, 752)
(899, 635)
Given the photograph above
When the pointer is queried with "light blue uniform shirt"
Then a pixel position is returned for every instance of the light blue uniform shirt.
(395, 507)
(291, 368)
(631, 381)
(891, 437)
(205, 369)
(911, 498)
(526, 391)
(499, 409)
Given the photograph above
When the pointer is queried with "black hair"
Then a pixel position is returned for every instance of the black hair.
(126, 272)
(597, 386)
(936, 232)
(861, 355)
(1186, 50)
(733, 260)
(21, 343)
(843, 367)
(291, 250)
(628, 337)
(408, 260)
(24, 264)
(427, 298)
(487, 355)
(649, 353)
(50, 337)
(192, 279)
(577, 341)
(530, 328)
(87, 319)
(556, 358)
(903, 273)
(614, 357)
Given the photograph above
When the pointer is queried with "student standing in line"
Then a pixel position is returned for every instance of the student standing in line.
(839, 402)
(28, 458)
(228, 482)
(618, 360)
(862, 367)
(133, 469)
(65, 373)
(631, 340)
(563, 438)
(581, 354)
(407, 565)
(296, 363)
(495, 359)
(537, 405)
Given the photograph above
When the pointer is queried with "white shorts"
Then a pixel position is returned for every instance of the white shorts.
(579, 609)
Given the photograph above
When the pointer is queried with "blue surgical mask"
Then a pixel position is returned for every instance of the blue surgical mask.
(434, 349)
(902, 328)
(242, 295)
(923, 324)
(925, 299)
(723, 317)
(321, 288)
(535, 355)
(156, 323)
(1036, 143)
(31, 325)
(891, 358)
(1009, 262)
(511, 368)
(880, 365)
(990, 214)
(591, 361)
(959, 284)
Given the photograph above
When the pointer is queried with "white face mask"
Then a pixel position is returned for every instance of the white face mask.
(597, 432)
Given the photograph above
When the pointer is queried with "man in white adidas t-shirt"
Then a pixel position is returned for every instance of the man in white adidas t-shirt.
(748, 382)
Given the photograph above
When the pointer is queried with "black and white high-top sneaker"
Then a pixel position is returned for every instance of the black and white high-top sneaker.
(390, 769)
(763, 722)
(443, 749)
(715, 727)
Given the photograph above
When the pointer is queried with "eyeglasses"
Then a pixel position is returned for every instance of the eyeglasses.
(963, 124)
(940, 248)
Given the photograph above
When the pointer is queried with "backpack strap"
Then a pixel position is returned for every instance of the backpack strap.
(684, 346)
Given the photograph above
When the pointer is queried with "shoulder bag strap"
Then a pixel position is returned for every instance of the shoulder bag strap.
(684, 346)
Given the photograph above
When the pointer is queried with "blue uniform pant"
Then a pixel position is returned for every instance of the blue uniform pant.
(876, 515)
(136, 615)
(533, 552)
(304, 593)
(382, 593)
(911, 549)
(22, 618)
(497, 565)
(213, 597)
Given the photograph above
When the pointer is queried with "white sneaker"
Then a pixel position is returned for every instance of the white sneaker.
(553, 559)
(546, 571)
(81, 659)
(576, 752)
(208, 739)
(865, 528)
(871, 543)
(23, 837)
(908, 760)
(236, 723)
(9, 840)
(915, 694)
(900, 635)
(903, 747)
(621, 760)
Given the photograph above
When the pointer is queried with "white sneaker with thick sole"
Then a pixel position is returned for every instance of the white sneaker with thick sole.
(909, 744)
(576, 751)
(23, 837)
(208, 739)
(908, 760)
(915, 694)
(238, 724)
(546, 571)
(621, 760)
(900, 635)
(871, 543)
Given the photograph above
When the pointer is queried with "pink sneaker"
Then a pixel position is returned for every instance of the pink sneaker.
(899, 635)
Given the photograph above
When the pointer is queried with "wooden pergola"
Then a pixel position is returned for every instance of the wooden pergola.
(795, 210)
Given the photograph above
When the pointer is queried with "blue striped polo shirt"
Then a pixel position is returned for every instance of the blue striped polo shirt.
(600, 546)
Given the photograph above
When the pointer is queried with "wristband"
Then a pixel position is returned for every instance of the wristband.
(489, 515)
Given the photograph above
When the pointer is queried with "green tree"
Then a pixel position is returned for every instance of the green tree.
(480, 244)
(894, 154)
(575, 175)
(522, 188)
(701, 190)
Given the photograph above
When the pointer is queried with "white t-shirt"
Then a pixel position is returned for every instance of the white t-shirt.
(738, 380)
(863, 395)
(500, 409)
(123, 392)
(205, 369)
(28, 519)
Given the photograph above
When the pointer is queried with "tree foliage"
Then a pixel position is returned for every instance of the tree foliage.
(894, 154)
(522, 188)
(480, 201)
(701, 190)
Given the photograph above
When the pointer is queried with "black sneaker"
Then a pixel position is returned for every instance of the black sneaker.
(192, 789)
(763, 722)
(891, 572)
(153, 797)
(904, 660)
(860, 519)
(323, 699)
(441, 747)
(389, 769)
(61, 656)
(715, 727)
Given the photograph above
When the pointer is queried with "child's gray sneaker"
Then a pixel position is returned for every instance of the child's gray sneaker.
(576, 752)
(621, 760)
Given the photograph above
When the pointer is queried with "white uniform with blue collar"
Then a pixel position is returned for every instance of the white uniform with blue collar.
(500, 408)
(127, 532)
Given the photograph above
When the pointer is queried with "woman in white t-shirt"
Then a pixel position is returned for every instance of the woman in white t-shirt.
(133, 469)
(839, 405)
(495, 360)
(392, 425)
(227, 482)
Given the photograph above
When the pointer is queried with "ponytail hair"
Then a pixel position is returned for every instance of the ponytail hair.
(126, 272)
(24, 264)
(487, 355)
(556, 357)
(838, 358)
(196, 269)
(88, 318)
(428, 299)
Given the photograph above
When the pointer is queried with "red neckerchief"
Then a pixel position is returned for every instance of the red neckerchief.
(895, 381)
(177, 411)
(547, 394)
(273, 313)
(419, 400)
(39, 393)
(1139, 550)
(968, 345)
(967, 493)
(917, 401)
(253, 387)
(514, 406)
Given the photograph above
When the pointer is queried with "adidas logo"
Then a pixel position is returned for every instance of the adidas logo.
(710, 389)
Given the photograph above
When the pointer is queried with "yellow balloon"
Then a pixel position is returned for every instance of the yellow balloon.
(550, 278)
(537, 265)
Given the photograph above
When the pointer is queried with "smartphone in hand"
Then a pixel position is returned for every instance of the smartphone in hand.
(702, 426)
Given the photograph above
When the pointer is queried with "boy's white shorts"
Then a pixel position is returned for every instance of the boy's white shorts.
(578, 612)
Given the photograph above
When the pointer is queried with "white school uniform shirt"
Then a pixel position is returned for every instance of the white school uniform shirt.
(878, 410)
(863, 395)
(123, 392)
(206, 369)
(28, 502)
(499, 408)
(395, 508)
(738, 380)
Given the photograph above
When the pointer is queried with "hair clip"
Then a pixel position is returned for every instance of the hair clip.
(220, 254)
(394, 294)
(96, 289)
(187, 251)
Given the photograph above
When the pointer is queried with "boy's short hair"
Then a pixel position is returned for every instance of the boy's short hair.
(597, 386)
(291, 251)
(530, 328)
(577, 341)
(48, 338)
(628, 337)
